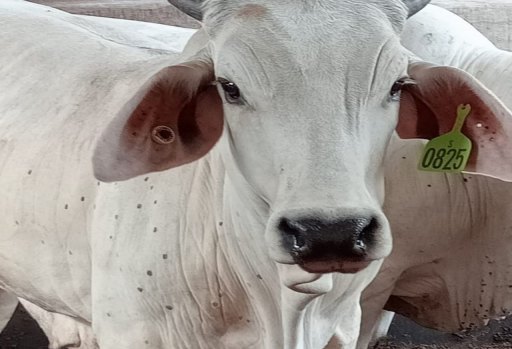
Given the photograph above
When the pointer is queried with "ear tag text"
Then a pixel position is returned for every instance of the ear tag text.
(450, 152)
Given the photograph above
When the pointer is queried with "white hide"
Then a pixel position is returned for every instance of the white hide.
(451, 266)
(180, 259)
(140, 34)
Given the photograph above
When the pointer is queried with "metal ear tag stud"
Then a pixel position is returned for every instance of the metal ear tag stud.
(163, 135)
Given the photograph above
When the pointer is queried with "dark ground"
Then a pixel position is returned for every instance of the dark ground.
(23, 333)
(406, 334)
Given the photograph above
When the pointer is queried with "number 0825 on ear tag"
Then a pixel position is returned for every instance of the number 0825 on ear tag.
(450, 152)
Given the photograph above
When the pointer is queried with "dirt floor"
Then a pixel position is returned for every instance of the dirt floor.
(23, 333)
(405, 334)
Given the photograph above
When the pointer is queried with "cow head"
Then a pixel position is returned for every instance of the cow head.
(307, 95)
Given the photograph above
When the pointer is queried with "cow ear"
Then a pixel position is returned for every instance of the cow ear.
(429, 109)
(175, 119)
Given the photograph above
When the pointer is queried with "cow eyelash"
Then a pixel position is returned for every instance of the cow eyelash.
(231, 91)
(396, 89)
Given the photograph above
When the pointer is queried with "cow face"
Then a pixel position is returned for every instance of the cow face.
(307, 95)
(309, 111)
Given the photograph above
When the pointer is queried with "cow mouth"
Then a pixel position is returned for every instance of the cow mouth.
(297, 280)
(324, 267)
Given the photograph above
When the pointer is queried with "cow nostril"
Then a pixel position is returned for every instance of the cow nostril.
(313, 239)
(298, 241)
(366, 231)
(295, 233)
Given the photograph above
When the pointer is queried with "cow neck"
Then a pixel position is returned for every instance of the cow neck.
(246, 276)
(273, 308)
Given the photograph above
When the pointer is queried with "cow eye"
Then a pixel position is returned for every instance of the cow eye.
(396, 89)
(231, 91)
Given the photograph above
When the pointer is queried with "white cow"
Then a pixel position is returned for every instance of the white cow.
(235, 247)
(64, 331)
(451, 267)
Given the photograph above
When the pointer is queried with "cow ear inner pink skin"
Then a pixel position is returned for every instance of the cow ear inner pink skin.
(429, 109)
(180, 99)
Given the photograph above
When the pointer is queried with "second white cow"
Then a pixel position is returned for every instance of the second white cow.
(451, 267)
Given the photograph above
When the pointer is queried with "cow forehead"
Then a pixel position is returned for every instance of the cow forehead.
(364, 13)
(330, 38)
(271, 60)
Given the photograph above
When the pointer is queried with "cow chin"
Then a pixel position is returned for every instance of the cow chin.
(324, 267)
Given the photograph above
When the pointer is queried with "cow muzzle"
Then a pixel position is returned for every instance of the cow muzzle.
(325, 245)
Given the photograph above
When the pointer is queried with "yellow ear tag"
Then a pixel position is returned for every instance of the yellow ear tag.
(450, 152)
